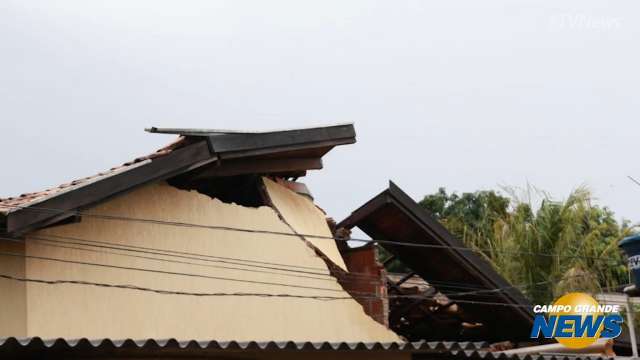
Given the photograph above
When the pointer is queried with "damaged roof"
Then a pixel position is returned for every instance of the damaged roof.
(201, 154)
(394, 216)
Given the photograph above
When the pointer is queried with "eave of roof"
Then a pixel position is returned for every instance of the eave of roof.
(393, 215)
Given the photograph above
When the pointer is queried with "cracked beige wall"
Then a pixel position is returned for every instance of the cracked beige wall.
(305, 218)
(74, 311)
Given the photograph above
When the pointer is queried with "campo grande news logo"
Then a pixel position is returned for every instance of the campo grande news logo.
(576, 320)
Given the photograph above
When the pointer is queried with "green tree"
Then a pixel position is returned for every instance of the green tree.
(546, 250)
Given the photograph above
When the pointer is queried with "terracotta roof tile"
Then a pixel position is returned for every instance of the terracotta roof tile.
(9, 204)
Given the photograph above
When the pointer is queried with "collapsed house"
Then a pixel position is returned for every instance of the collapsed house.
(210, 247)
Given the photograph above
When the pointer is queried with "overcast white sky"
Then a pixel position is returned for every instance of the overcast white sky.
(463, 94)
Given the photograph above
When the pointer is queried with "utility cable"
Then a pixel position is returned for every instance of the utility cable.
(163, 271)
(271, 232)
(238, 294)
(239, 261)
(45, 240)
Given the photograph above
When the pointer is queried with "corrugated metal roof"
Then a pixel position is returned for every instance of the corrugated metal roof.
(240, 345)
(129, 347)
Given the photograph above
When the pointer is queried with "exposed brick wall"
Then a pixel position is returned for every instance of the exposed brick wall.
(371, 281)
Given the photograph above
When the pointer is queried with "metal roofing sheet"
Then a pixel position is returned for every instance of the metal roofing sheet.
(241, 345)
(207, 132)
(127, 347)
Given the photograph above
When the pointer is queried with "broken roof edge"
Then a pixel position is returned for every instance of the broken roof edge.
(393, 194)
(394, 200)
(485, 268)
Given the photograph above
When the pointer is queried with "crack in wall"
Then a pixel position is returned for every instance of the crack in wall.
(342, 277)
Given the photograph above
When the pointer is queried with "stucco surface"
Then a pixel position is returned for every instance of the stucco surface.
(12, 293)
(74, 311)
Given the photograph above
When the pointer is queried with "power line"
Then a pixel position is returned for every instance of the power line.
(330, 278)
(40, 239)
(179, 252)
(168, 272)
(162, 253)
(477, 292)
(271, 232)
(195, 256)
(167, 292)
(165, 272)
(43, 242)
(437, 284)
(190, 255)
(110, 217)
(181, 274)
(634, 180)
(476, 289)
(243, 294)
(481, 291)
(168, 252)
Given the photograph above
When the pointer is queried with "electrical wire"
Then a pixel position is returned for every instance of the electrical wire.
(49, 237)
(361, 294)
(197, 256)
(172, 223)
(167, 292)
(193, 256)
(164, 272)
(244, 294)
(44, 243)
(271, 232)
(481, 290)
(476, 288)
(487, 291)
